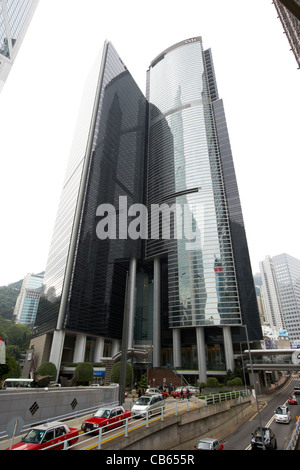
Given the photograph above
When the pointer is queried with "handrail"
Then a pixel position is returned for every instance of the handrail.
(131, 424)
(294, 440)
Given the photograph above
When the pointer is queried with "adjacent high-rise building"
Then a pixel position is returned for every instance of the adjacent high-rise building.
(287, 269)
(281, 294)
(28, 299)
(150, 224)
(15, 17)
(291, 24)
(270, 295)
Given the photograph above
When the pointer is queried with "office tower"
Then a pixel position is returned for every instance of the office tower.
(287, 269)
(270, 295)
(291, 25)
(15, 17)
(206, 282)
(150, 227)
(28, 299)
(80, 315)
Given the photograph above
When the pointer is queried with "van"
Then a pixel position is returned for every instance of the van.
(151, 403)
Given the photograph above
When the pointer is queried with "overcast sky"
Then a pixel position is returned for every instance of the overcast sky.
(257, 79)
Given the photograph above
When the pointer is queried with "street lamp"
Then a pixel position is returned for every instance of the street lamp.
(253, 380)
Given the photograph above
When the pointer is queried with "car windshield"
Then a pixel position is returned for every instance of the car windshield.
(281, 411)
(262, 432)
(34, 436)
(102, 413)
(143, 401)
(204, 445)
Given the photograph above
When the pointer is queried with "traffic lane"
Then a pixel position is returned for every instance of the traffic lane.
(241, 439)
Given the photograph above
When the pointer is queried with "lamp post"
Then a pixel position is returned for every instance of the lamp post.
(253, 380)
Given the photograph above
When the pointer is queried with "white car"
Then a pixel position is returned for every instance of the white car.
(282, 414)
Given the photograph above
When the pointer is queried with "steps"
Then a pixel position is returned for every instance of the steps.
(157, 377)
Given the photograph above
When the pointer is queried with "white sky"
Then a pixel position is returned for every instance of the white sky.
(257, 78)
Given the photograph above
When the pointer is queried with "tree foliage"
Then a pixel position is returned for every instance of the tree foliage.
(84, 372)
(47, 368)
(115, 373)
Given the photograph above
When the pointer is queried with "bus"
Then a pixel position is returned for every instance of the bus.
(12, 384)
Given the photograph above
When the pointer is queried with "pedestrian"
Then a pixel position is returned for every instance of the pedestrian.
(187, 393)
(181, 393)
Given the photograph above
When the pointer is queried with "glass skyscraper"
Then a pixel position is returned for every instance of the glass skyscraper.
(28, 299)
(15, 16)
(185, 280)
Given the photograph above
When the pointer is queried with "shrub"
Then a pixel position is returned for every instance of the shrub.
(212, 382)
(84, 373)
(47, 368)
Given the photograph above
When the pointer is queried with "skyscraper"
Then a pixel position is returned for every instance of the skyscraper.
(150, 223)
(291, 25)
(207, 274)
(15, 17)
(281, 294)
(28, 299)
(271, 297)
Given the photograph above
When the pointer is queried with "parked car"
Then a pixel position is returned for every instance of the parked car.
(208, 443)
(282, 414)
(151, 403)
(296, 391)
(263, 438)
(150, 391)
(292, 400)
(45, 435)
(177, 393)
(108, 416)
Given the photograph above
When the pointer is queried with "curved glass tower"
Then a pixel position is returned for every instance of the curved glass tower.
(186, 179)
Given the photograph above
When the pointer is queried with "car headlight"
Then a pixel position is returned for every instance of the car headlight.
(96, 425)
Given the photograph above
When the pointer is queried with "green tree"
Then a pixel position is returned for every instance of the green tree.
(12, 369)
(47, 368)
(115, 373)
(212, 382)
(84, 372)
(143, 382)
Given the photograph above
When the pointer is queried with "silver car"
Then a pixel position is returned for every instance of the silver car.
(151, 403)
(282, 414)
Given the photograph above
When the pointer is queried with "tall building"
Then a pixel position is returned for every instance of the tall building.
(28, 299)
(291, 24)
(150, 226)
(15, 17)
(207, 285)
(287, 269)
(271, 296)
(281, 292)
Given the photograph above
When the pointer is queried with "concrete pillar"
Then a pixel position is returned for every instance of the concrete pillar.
(99, 348)
(79, 351)
(228, 348)
(57, 349)
(115, 347)
(131, 300)
(201, 353)
(176, 348)
(156, 314)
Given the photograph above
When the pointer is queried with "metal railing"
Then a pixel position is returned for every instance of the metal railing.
(294, 440)
(130, 424)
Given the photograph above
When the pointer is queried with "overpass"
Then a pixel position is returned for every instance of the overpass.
(264, 361)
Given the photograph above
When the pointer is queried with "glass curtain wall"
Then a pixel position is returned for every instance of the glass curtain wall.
(184, 173)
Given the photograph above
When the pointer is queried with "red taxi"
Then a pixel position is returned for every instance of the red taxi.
(108, 416)
(47, 435)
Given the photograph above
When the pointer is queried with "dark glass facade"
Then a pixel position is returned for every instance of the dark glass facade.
(107, 161)
(190, 273)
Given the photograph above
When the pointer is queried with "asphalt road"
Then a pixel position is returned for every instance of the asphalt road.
(240, 440)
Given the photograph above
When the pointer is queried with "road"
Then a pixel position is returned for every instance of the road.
(240, 440)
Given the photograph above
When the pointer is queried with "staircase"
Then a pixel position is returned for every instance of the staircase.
(157, 377)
